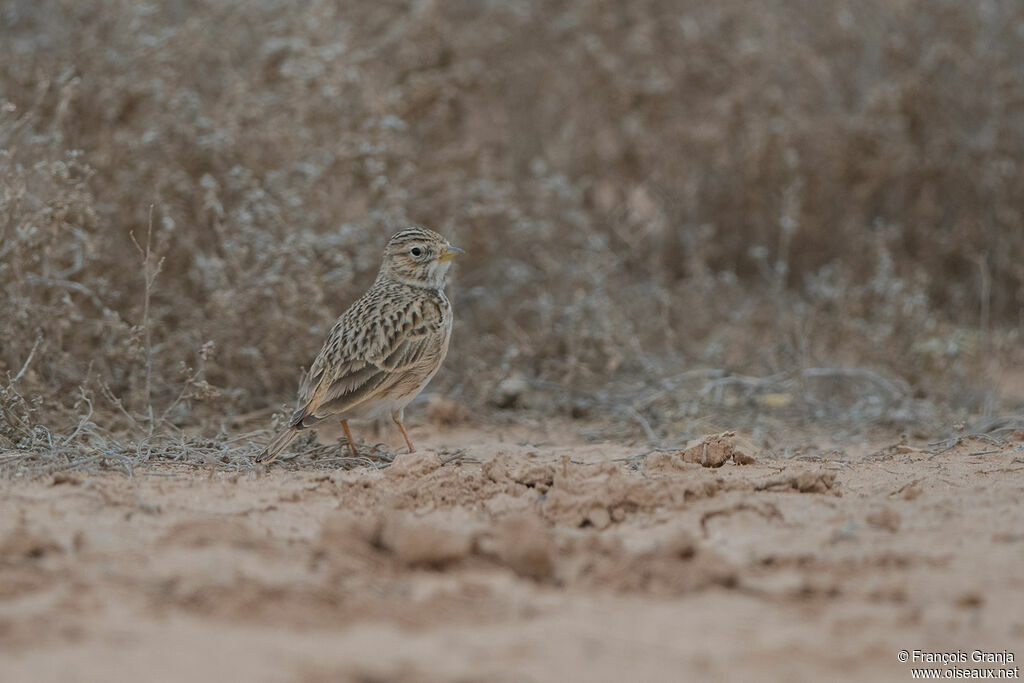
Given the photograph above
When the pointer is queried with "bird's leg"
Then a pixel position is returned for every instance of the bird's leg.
(351, 442)
(397, 417)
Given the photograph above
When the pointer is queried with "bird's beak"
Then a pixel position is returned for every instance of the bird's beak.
(449, 253)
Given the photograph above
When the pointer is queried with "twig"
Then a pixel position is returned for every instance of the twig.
(990, 439)
(635, 414)
(68, 284)
(81, 423)
(953, 443)
(150, 274)
(985, 296)
(109, 395)
(179, 399)
(27, 361)
(906, 486)
(459, 456)
(856, 373)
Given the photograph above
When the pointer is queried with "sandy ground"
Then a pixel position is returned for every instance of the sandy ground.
(555, 560)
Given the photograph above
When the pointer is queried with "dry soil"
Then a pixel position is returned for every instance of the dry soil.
(518, 557)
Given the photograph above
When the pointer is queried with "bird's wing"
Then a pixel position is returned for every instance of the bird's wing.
(369, 348)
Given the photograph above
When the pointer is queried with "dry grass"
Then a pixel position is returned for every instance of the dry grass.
(192, 191)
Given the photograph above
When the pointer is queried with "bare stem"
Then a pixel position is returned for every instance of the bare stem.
(985, 296)
(28, 361)
(150, 272)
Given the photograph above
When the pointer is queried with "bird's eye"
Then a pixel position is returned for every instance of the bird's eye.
(416, 251)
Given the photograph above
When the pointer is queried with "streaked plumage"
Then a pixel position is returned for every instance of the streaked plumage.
(386, 347)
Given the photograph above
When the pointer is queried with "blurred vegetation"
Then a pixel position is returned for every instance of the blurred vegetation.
(750, 192)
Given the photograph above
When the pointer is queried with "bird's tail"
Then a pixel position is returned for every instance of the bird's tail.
(277, 444)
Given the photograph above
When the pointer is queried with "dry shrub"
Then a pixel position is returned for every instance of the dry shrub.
(642, 187)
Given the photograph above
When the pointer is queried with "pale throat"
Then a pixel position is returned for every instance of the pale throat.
(430, 276)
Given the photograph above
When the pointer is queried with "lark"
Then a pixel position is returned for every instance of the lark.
(386, 347)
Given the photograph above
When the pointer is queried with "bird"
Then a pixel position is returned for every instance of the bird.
(385, 348)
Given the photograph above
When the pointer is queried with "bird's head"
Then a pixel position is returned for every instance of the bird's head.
(418, 257)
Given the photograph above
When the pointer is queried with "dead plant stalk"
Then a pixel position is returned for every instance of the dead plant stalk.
(150, 273)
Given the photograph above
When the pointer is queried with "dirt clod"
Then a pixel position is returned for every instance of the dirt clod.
(717, 449)
(428, 542)
(523, 543)
(415, 464)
